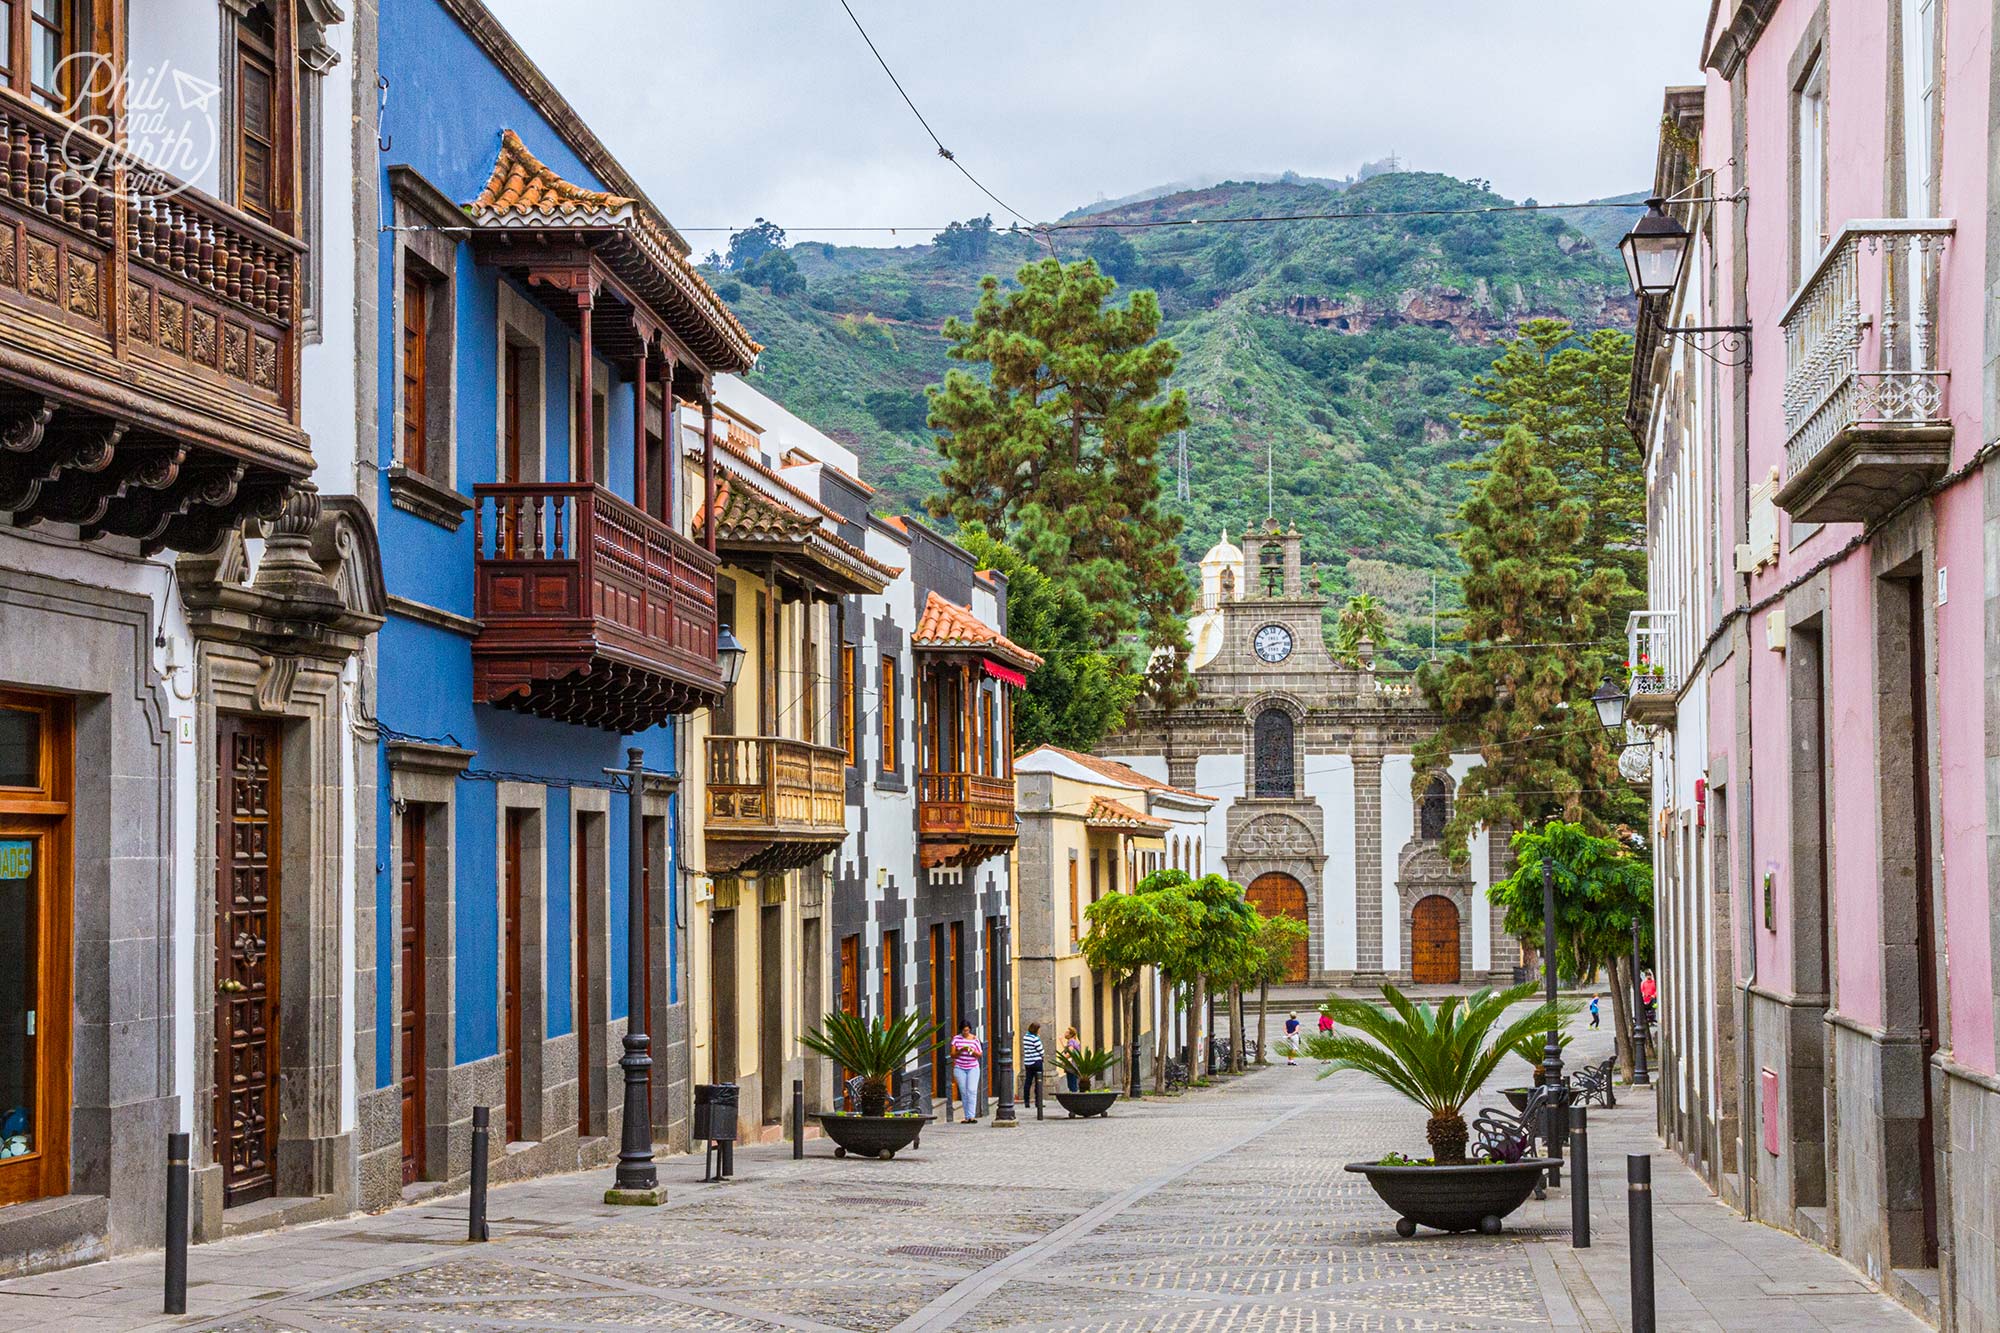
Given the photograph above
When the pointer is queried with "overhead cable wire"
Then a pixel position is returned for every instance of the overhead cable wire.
(942, 151)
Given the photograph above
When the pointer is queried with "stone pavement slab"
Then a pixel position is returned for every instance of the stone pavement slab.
(1225, 1209)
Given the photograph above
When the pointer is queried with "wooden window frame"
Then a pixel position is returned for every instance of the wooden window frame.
(891, 759)
(251, 53)
(43, 812)
(416, 299)
(1075, 902)
(850, 736)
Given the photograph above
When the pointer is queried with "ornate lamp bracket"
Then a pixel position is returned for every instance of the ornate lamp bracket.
(1724, 344)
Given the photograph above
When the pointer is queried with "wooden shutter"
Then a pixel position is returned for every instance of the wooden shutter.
(416, 388)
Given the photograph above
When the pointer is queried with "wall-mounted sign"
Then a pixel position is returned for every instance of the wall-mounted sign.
(17, 858)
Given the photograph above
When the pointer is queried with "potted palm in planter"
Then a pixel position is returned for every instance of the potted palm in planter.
(1439, 1058)
(1086, 1064)
(875, 1051)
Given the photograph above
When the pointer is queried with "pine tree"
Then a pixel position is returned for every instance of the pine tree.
(1057, 446)
(1534, 622)
(1569, 392)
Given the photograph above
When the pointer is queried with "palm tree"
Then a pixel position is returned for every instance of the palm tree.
(872, 1049)
(1437, 1057)
(1086, 1064)
(1362, 618)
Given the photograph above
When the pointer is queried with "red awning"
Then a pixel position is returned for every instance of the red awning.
(994, 669)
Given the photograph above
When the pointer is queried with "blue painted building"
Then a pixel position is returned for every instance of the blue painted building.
(539, 323)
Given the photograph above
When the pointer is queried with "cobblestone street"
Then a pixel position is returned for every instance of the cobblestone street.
(1226, 1209)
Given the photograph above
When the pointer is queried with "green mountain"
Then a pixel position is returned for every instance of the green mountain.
(1332, 351)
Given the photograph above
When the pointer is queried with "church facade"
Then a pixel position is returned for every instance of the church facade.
(1319, 811)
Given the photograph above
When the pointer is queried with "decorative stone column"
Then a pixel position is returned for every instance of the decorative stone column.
(1367, 869)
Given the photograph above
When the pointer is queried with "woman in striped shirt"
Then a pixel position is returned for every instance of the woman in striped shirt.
(1031, 1063)
(965, 1052)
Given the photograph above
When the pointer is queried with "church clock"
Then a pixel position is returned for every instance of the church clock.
(1273, 643)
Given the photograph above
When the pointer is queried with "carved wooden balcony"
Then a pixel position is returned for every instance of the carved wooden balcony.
(963, 817)
(591, 611)
(773, 804)
(1867, 404)
(148, 345)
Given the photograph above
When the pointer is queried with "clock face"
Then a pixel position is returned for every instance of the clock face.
(1273, 643)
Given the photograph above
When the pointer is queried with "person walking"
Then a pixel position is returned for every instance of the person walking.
(1593, 1011)
(1031, 1064)
(966, 1050)
(1291, 1039)
(1649, 990)
(1071, 1044)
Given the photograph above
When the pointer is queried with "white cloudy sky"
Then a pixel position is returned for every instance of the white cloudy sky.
(727, 110)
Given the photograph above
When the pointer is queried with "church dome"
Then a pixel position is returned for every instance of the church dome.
(1225, 555)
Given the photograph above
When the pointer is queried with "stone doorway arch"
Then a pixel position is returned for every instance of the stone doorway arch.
(1278, 894)
(1435, 928)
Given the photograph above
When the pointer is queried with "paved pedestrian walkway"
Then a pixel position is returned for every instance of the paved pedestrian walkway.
(1226, 1209)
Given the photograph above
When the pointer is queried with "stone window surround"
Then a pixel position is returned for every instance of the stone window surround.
(123, 727)
(1252, 711)
(426, 221)
(427, 775)
(305, 696)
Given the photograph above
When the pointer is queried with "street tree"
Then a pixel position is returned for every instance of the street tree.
(1535, 622)
(1216, 952)
(1056, 443)
(1602, 885)
(1276, 941)
(1081, 691)
(1568, 391)
(1132, 931)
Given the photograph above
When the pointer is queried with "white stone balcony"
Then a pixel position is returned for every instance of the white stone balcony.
(1867, 401)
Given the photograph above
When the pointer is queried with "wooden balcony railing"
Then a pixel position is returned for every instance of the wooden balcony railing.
(591, 611)
(964, 816)
(1867, 408)
(139, 315)
(773, 804)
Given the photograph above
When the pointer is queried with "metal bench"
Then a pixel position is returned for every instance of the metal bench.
(1503, 1136)
(1596, 1085)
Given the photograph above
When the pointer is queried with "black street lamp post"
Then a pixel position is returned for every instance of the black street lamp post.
(637, 1181)
(1003, 1030)
(1639, 1074)
(1552, 1053)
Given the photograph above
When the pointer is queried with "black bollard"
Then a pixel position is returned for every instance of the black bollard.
(177, 1224)
(798, 1118)
(1040, 1079)
(1579, 1181)
(482, 1128)
(1639, 1221)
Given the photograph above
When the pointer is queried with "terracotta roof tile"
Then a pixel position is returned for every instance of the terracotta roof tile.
(522, 190)
(1118, 772)
(946, 624)
(1107, 813)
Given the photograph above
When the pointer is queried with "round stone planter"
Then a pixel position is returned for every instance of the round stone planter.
(1474, 1197)
(1087, 1102)
(870, 1135)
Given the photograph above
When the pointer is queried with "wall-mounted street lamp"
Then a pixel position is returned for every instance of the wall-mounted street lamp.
(729, 654)
(1656, 250)
(1609, 701)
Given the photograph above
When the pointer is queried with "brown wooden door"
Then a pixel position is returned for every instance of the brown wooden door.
(993, 1024)
(656, 1039)
(247, 843)
(510, 973)
(1434, 942)
(850, 991)
(410, 1025)
(1281, 895)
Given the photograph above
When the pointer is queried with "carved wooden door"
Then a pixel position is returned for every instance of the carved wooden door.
(247, 847)
(410, 1018)
(1434, 942)
(1275, 894)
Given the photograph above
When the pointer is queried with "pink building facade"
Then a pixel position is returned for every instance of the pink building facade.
(1824, 534)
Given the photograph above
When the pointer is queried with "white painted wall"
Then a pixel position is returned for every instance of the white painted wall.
(1476, 848)
(1399, 821)
(1330, 781)
(1217, 775)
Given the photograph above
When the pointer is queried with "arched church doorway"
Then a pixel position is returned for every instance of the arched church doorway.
(1278, 894)
(1434, 941)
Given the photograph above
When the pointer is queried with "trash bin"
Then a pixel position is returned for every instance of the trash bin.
(714, 1113)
